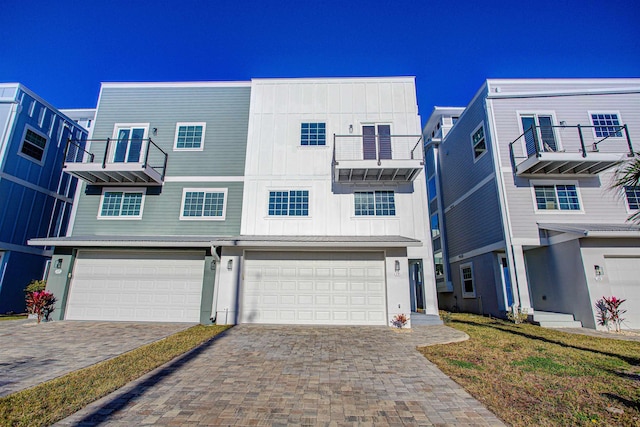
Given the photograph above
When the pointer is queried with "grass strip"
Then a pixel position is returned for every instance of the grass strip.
(12, 317)
(533, 376)
(54, 400)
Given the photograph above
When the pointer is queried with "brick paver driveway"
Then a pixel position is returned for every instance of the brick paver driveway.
(295, 375)
(32, 353)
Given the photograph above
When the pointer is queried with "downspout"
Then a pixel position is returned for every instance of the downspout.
(214, 306)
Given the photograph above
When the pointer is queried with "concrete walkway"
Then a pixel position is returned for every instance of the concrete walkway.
(296, 375)
(31, 353)
(625, 335)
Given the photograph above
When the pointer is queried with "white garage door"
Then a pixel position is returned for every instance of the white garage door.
(136, 286)
(316, 288)
(623, 277)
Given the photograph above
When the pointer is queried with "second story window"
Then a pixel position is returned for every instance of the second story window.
(606, 124)
(203, 203)
(121, 204)
(289, 203)
(189, 136)
(557, 197)
(313, 134)
(375, 203)
(33, 145)
(479, 142)
(633, 197)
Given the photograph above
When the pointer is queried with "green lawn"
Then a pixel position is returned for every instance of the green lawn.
(531, 376)
(12, 317)
(54, 400)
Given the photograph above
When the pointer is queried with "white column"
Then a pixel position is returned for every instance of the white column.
(522, 284)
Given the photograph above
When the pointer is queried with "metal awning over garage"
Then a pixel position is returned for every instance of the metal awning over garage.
(593, 230)
(318, 241)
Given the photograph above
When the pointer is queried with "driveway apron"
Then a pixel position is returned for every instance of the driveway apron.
(32, 353)
(296, 375)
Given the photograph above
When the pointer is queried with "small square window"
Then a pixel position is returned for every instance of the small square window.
(33, 145)
(189, 136)
(374, 203)
(289, 203)
(121, 204)
(606, 125)
(313, 134)
(203, 203)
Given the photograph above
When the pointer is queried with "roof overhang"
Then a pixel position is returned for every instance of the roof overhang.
(237, 241)
(594, 230)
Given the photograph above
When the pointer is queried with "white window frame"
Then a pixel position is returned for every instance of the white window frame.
(117, 127)
(289, 190)
(536, 114)
(473, 280)
(204, 218)
(534, 183)
(121, 190)
(626, 202)
(374, 216)
(486, 143)
(175, 140)
(593, 129)
(40, 162)
(326, 134)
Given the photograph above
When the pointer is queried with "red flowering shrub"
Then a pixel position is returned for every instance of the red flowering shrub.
(610, 313)
(40, 303)
(399, 320)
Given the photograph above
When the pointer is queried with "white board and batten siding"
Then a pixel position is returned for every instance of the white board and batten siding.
(323, 288)
(136, 286)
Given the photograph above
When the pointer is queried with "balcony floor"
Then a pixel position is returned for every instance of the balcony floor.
(559, 163)
(114, 173)
(369, 171)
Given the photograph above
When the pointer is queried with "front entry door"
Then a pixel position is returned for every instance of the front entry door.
(416, 283)
(376, 146)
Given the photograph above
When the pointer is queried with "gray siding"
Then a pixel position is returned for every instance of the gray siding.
(474, 222)
(224, 109)
(485, 280)
(557, 281)
(161, 214)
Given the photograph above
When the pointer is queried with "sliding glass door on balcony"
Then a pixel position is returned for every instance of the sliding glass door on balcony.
(538, 130)
(129, 145)
(376, 146)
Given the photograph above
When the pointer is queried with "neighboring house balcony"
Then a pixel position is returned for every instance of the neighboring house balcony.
(124, 161)
(377, 158)
(569, 150)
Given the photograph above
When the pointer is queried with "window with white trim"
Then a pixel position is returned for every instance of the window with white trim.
(606, 125)
(203, 203)
(289, 203)
(374, 203)
(633, 197)
(466, 278)
(478, 141)
(562, 197)
(313, 134)
(189, 136)
(33, 145)
(121, 204)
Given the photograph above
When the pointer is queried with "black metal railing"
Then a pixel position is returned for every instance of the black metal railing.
(377, 147)
(140, 151)
(537, 140)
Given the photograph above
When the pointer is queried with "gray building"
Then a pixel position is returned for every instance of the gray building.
(522, 193)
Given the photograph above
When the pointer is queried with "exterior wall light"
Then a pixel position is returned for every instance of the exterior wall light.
(397, 267)
(350, 128)
(230, 264)
(58, 263)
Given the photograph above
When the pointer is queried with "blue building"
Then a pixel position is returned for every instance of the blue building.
(35, 195)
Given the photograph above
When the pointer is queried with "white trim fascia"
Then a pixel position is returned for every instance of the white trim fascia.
(560, 238)
(329, 245)
(31, 186)
(479, 251)
(204, 179)
(123, 85)
(119, 243)
(175, 140)
(381, 79)
(557, 93)
(224, 191)
(475, 188)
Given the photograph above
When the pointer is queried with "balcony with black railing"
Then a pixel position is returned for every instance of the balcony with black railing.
(377, 158)
(124, 161)
(569, 150)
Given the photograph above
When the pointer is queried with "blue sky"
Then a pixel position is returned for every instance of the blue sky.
(63, 49)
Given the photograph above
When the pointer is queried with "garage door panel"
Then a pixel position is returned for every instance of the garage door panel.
(623, 275)
(136, 286)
